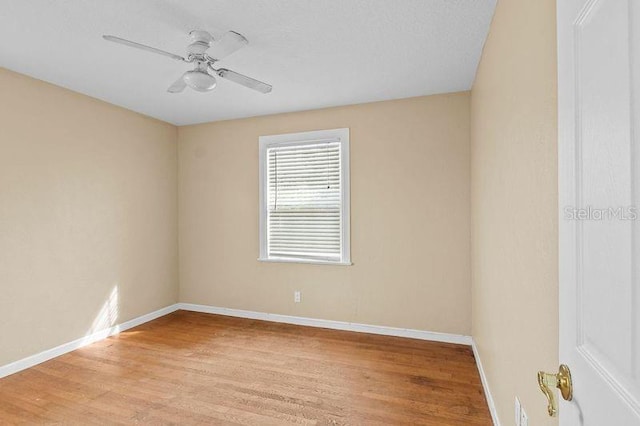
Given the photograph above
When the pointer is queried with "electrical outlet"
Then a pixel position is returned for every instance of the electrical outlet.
(297, 296)
(518, 410)
(524, 419)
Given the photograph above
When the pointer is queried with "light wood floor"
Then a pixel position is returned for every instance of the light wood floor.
(191, 368)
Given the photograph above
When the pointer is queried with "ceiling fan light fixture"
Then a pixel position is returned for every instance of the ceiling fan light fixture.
(203, 52)
(199, 80)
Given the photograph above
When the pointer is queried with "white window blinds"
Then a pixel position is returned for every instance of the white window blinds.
(304, 201)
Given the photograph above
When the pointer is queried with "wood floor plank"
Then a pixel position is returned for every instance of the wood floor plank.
(193, 368)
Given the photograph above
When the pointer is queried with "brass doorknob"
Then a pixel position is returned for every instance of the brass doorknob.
(562, 381)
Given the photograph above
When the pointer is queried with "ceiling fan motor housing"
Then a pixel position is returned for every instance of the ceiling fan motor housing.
(200, 42)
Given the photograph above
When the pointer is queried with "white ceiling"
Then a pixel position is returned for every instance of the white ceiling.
(315, 53)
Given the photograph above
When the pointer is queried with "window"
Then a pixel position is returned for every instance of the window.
(304, 197)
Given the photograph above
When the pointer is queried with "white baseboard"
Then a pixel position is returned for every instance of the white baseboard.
(485, 385)
(335, 325)
(36, 359)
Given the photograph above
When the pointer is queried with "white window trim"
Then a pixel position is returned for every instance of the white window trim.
(266, 142)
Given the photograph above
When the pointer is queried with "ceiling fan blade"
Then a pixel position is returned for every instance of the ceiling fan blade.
(142, 47)
(228, 43)
(178, 86)
(243, 80)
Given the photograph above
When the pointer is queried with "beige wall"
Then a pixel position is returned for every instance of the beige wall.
(409, 217)
(514, 205)
(88, 203)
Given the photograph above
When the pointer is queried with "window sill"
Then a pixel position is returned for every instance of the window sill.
(308, 261)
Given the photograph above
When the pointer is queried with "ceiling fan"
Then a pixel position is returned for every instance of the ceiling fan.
(204, 51)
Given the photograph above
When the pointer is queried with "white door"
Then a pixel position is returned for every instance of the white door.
(599, 187)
